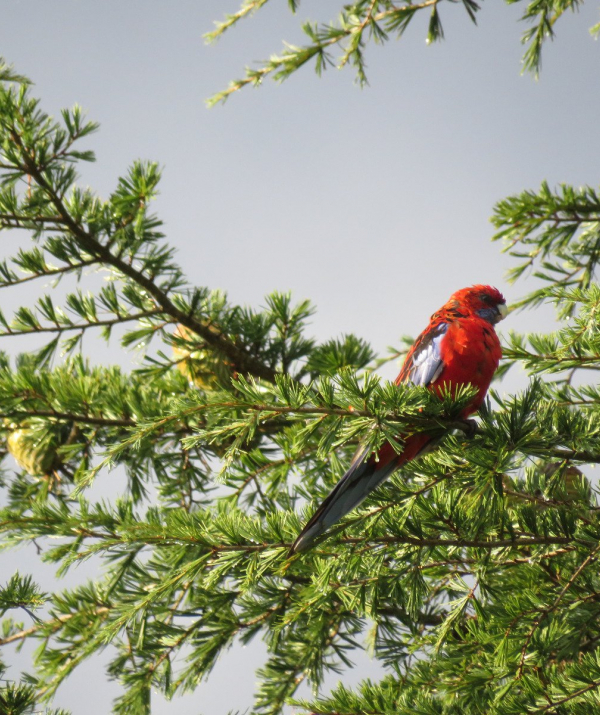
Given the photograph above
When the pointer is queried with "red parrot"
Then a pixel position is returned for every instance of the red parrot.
(458, 347)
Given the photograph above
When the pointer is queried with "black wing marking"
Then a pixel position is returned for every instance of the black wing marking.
(353, 488)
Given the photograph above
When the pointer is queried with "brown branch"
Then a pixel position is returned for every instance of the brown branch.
(216, 548)
(582, 456)
(545, 503)
(547, 611)
(185, 634)
(82, 326)
(51, 272)
(70, 417)
(28, 219)
(468, 543)
(509, 354)
(466, 426)
(55, 624)
(383, 540)
(425, 619)
(243, 361)
(576, 694)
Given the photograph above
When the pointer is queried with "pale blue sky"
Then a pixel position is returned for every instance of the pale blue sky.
(374, 203)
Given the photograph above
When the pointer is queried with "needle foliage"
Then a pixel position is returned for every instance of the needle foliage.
(471, 576)
(343, 42)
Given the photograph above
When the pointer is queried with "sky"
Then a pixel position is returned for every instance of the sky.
(374, 203)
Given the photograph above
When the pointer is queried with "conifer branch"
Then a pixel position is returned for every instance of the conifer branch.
(243, 361)
(468, 543)
(377, 19)
(68, 417)
(353, 24)
(24, 221)
(571, 696)
(47, 274)
(82, 327)
(552, 607)
(49, 626)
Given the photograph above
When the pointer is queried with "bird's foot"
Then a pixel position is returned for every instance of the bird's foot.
(469, 427)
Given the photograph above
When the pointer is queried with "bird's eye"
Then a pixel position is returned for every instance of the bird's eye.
(486, 298)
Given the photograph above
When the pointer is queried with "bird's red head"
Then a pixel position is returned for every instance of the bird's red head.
(485, 301)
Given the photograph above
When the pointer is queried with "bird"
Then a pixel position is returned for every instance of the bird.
(458, 347)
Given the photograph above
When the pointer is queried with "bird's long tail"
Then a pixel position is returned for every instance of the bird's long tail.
(363, 476)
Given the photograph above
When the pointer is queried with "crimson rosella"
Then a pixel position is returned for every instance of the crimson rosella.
(458, 347)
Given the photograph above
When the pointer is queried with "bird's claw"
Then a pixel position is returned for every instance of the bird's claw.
(469, 427)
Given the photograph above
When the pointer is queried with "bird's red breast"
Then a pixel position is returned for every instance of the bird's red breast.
(471, 353)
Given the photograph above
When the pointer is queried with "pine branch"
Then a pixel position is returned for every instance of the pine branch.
(469, 543)
(24, 221)
(378, 19)
(48, 627)
(552, 607)
(68, 417)
(571, 696)
(49, 273)
(249, 7)
(243, 361)
(82, 327)
(355, 20)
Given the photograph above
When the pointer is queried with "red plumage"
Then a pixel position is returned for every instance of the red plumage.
(458, 347)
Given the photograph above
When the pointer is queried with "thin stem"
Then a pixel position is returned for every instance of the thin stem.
(52, 272)
(83, 326)
(70, 417)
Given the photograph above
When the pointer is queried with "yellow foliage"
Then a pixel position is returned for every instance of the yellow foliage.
(34, 450)
(202, 366)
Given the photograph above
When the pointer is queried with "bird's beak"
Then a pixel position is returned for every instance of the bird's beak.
(502, 311)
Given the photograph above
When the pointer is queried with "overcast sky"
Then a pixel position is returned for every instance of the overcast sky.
(373, 203)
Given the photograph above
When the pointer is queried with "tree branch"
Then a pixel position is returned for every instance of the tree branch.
(243, 361)
(52, 272)
(56, 623)
(69, 417)
(83, 326)
(547, 611)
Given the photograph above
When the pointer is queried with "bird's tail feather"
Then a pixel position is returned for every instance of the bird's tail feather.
(353, 488)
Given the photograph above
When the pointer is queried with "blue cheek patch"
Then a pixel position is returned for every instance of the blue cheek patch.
(489, 314)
